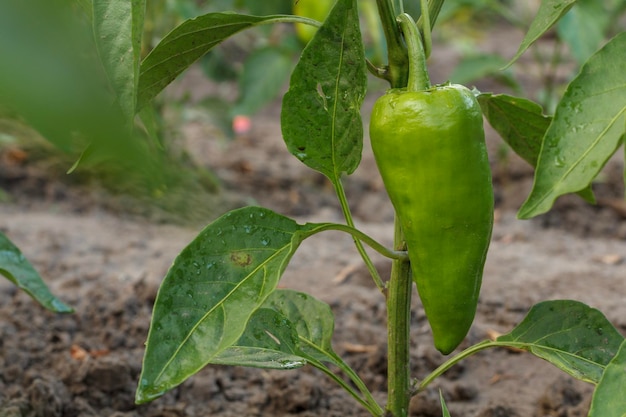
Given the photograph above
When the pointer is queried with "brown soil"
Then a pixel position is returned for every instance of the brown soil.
(108, 266)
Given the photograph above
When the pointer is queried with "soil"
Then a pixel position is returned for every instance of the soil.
(108, 265)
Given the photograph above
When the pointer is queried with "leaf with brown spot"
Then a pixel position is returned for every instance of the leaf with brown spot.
(212, 289)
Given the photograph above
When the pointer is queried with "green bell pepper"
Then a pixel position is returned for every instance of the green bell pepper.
(429, 146)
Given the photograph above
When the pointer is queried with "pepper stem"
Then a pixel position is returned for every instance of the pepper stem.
(432, 11)
(397, 71)
(418, 72)
(398, 325)
(426, 29)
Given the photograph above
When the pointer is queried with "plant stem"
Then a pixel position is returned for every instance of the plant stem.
(398, 322)
(398, 70)
(426, 28)
(369, 404)
(434, 7)
(279, 18)
(376, 410)
(345, 208)
(359, 235)
(418, 72)
(485, 344)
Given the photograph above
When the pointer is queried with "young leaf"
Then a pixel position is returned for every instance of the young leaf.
(215, 284)
(284, 333)
(572, 336)
(608, 398)
(548, 14)
(290, 330)
(185, 44)
(444, 407)
(522, 125)
(269, 341)
(118, 26)
(585, 131)
(313, 321)
(321, 121)
(19, 271)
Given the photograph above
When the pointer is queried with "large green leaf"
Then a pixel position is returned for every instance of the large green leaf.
(118, 27)
(548, 14)
(574, 337)
(586, 129)
(185, 44)
(321, 121)
(19, 271)
(215, 284)
(522, 125)
(609, 399)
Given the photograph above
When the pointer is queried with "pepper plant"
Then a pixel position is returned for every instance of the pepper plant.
(220, 302)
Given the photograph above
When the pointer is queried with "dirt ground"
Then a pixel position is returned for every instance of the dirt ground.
(108, 265)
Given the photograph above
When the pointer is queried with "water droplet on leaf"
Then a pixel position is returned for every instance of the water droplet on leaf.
(559, 161)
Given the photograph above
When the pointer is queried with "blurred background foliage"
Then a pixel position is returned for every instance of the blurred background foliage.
(465, 24)
(55, 104)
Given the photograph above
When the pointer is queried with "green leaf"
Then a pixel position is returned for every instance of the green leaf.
(264, 74)
(583, 28)
(313, 321)
(548, 14)
(522, 125)
(42, 77)
(444, 407)
(585, 131)
(185, 44)
(118, 27)
(572, 336)
(19, 271)
(87, 8)
(289, 329)
(609, 399)
(321, 121)
(215, 284)
(519, 122)
(269, 341)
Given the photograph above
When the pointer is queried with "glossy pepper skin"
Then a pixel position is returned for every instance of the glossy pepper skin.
(430, 149)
